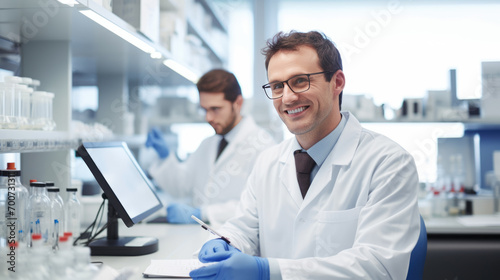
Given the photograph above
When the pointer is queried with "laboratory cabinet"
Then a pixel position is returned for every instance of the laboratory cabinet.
(66, 44)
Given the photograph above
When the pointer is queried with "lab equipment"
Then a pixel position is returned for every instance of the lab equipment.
(72, 212)
(39, 211)
(230, 263)
(130, 194)
(11, 105)
(25, 121)
(56, 215)
(15, 203)
(3, 119)
(180, 213)
(48, 101)
(38, 257)
(155, 139)
(212, 231)
(3, 220)
(22, 107)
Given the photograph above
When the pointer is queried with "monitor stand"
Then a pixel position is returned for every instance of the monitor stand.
(113, 245)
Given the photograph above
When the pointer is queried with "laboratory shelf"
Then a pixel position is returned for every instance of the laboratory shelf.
(22, 141)
(95, 49)
(214, 12)
(167, 121)
(209, 43)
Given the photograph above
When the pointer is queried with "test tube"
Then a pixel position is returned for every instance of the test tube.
(35, 84)
(45, 109)
(51, 125)
(37, 109)
(25, 121)
(2, 106)
(12, 104)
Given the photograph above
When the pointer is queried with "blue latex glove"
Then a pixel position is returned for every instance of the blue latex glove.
(179, 213)
(230, 263)
(155, 139)
(215, 250)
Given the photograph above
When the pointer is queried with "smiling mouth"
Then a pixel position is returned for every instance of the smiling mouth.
(296, 111)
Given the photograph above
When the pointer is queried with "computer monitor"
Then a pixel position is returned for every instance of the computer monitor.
(130, 195)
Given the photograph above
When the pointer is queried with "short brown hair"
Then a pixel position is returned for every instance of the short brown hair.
(329, 56)
(219, 80)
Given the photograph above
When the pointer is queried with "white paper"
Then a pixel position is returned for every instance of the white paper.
(179, 268)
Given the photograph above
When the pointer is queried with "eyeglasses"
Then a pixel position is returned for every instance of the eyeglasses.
(299, 83)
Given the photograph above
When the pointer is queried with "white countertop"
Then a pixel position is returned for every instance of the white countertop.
(175, 242)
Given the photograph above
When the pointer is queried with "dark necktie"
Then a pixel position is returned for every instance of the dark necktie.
(222, 146)
(304, 165)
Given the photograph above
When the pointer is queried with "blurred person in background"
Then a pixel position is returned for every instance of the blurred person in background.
(213, 177)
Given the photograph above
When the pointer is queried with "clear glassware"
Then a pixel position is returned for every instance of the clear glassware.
(16, 205)
(37, 110)
(2, 106)
(25, 121)
(39, 211)
(72, 213)
(56, 215)
(48, 104)
(11, 106)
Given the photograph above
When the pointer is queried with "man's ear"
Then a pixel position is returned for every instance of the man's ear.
(239, 102)
(338, 82)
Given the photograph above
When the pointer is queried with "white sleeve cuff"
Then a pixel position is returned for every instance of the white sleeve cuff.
(274, 269)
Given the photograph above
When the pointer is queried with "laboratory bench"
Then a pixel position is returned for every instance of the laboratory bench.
(463, 247)
(175, 242)
(457, 248)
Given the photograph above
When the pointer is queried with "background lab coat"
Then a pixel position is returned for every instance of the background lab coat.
(359, 219)
(214, 186)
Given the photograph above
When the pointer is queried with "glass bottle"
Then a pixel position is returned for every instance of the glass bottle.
(39, 256)
(15, 205)
(30, 190)
(72, 213)
(39, 211)
(3, 232)
(56, 215)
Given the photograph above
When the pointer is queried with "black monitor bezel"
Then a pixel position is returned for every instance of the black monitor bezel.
(108, 190)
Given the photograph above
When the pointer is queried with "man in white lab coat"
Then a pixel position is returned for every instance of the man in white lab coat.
(212, 181)
(358, 219)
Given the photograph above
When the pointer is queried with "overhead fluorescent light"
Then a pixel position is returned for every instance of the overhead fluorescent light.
(70, 3)
(181, 69)
(122, 33)
(156, 55)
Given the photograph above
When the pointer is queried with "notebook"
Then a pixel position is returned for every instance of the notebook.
(179, 268)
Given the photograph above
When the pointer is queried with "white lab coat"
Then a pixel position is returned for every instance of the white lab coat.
(359, 219)
(215, 186)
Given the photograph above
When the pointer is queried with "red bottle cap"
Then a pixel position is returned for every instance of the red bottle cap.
(36, 236)
(63, 238)
(32, 180)
(68, 233)
(11, 166)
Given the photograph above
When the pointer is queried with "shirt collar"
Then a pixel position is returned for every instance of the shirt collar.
(320, 150)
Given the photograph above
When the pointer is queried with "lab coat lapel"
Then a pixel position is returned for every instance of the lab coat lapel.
(342, 154)
(288, 176)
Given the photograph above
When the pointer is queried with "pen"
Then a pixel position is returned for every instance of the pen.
(212, 231)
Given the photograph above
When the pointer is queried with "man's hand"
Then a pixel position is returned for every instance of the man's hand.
(179, 213)
(155, 139)
(230, 263)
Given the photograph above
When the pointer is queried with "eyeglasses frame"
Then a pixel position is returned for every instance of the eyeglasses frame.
(268, 85)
